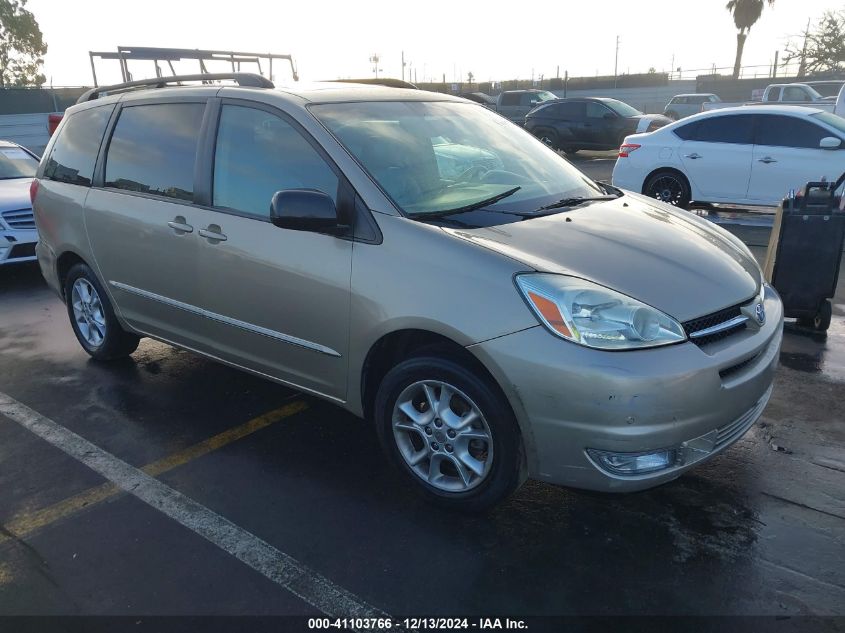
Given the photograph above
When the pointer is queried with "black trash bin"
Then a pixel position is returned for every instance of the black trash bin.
(809, 250)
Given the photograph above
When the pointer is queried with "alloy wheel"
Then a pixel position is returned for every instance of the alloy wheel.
(667, 189)
(88, 312)
(442, 436)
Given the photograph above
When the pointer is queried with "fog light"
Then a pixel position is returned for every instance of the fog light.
(633, 463)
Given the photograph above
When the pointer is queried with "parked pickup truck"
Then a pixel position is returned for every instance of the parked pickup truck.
(782, 94)
(515, 104)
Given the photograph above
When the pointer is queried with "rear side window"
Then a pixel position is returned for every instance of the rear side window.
(258, 154)
(720, 129)
(75, 150)
(572, 110)
(788, 131)
(510, 99)
(153, 149)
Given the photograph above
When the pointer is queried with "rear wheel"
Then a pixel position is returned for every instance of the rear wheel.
(570, 151)
(820, 322)
(92, 317)
(670, 187)
(450, 432)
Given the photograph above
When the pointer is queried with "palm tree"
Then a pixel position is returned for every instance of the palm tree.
(746, 13)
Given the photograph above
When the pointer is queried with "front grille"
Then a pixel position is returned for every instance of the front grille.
(22, 250)
(19, 219)
(731, 432)
(711, 320)
(733, 369)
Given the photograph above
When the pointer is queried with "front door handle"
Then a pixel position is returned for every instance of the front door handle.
(693, 156)
(767, 160)
(212, 234)
(180, 225)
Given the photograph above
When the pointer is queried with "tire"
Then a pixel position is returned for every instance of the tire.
(469, 469)
(92, 317)
(670, 187)
(547, 137)
(570, 151)
(820, 322)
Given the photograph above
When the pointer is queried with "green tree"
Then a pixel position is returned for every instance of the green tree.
(822, 49)
(745, 14)
(22, 46)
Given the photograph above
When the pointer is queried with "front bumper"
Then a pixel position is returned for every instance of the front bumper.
(696, 400)
(17, 245)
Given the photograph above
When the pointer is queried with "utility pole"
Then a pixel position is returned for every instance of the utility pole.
(775, 67)
(616, 64)
(403, 65)
(374, 60)
(672, 65)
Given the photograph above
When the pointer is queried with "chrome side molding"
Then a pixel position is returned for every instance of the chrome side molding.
(220, 318)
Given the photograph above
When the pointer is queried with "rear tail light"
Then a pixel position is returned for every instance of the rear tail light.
(53, 121)
(33, 191)
(627, 148)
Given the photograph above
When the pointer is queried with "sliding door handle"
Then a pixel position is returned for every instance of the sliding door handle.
(212, 234)
(180, 225)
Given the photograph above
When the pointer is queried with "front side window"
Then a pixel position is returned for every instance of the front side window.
(405, 144)
(725, 129)
(793, 93)
(510, 99)
(75, 150)
(788, 131)
(153, 149)
(16, 163)
(257, 154)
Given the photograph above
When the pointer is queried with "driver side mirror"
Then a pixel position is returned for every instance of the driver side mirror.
(830, 142)
(304, 210)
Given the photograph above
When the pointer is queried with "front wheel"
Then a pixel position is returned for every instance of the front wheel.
(548, 138)
(450, 432)
(92, 317)
(669, 187)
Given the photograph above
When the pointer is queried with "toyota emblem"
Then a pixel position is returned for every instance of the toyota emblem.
(760, 312)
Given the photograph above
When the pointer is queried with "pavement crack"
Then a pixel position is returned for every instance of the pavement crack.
(801, 505)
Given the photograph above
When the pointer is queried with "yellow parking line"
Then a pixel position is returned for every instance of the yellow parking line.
(25, 523)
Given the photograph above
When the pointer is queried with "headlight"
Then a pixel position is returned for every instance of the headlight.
(595, 316)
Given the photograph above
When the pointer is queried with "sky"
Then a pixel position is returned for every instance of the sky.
(333, 39)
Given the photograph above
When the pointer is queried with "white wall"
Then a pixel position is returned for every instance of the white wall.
(29, 130)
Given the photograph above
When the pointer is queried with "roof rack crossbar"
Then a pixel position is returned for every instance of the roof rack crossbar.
(250, 80)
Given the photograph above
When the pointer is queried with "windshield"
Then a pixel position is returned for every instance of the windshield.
(16, 163)
(432, 157)
(545, 96)
(622, 109)
(833, 120)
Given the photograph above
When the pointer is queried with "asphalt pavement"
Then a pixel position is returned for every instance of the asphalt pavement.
(168, 484)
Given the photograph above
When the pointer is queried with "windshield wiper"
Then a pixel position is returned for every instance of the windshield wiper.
(469, 207)
(566, 203)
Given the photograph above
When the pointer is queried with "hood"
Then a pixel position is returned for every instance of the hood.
(14, 194)
(667, 258)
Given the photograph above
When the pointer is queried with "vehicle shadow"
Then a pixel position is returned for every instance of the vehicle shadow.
(17, 277)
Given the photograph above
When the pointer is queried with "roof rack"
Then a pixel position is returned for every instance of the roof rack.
(250, 80)
(168, 56)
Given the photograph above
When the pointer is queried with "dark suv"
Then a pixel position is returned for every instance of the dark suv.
(594, 123)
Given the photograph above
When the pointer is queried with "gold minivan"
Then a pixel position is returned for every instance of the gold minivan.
(419, 261)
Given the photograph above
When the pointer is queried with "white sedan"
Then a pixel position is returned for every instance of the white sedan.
(744, 155)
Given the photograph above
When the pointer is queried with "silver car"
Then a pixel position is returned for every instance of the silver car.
(17, 225)
(502, 319)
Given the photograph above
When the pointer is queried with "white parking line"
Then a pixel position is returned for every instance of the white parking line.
(313, 588)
